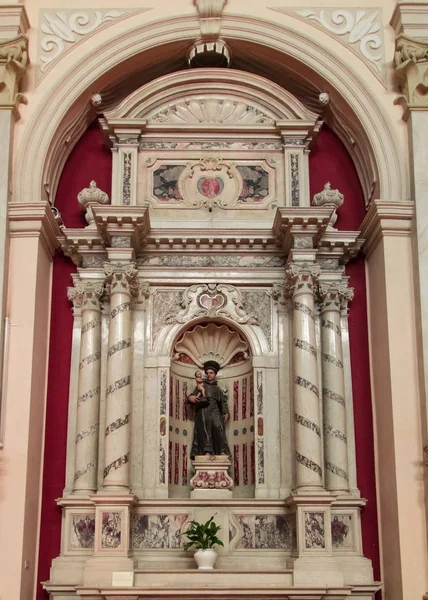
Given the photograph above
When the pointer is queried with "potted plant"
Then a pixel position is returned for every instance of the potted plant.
(203, 536)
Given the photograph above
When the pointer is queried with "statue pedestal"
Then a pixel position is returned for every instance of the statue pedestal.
(211, 479)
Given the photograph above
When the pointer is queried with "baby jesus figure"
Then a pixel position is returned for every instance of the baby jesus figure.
(199, 385)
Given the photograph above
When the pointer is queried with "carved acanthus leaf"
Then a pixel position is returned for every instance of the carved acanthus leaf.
(335, 296)
(301, 278)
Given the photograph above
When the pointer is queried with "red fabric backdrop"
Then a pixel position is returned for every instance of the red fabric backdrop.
(329, 161)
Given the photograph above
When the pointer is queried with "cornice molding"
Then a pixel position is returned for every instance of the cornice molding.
(34, 220)
(13, 21)
(410, 18)
(386, 219)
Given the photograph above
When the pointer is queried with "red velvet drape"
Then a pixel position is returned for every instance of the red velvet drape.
(329, 161)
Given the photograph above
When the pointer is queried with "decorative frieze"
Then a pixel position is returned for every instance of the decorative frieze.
(206, 261)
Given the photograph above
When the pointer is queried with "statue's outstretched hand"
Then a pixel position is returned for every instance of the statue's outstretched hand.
(226, 417)
(193, 399)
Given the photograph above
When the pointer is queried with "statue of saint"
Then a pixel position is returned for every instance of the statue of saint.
(211, 414)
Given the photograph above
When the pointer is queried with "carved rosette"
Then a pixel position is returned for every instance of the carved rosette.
(334, 298)
(300, 284)
(87, 295)
(122, 284)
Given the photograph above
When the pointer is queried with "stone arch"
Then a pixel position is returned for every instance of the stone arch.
(57, 124)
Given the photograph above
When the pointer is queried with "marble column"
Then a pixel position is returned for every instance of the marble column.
(121, 280)
(300, 283)
(333, 296)
(88, 296)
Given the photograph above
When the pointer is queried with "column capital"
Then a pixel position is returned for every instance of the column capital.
(335, 295)
(121, 278)
(13, 66)
(86, 295)
(411, 69)
(301, 278)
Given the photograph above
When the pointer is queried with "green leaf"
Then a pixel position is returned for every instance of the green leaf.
(202, 535)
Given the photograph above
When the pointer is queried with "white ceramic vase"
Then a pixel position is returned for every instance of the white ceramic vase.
(205, 559)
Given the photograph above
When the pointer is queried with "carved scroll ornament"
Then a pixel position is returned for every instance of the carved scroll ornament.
(212, 301)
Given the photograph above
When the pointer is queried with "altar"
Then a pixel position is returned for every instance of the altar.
(211, 248)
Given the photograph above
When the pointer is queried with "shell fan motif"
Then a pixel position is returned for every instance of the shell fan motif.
(211, 342)
(211, 110)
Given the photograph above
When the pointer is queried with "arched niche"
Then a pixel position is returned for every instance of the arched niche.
(359, 118)
(212, 340)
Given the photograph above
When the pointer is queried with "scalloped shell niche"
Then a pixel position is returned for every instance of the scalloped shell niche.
(211, 342)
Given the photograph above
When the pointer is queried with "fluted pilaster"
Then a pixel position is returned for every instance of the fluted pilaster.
(121, 282)
(333, 298)
(300, 283)
(87, 296)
